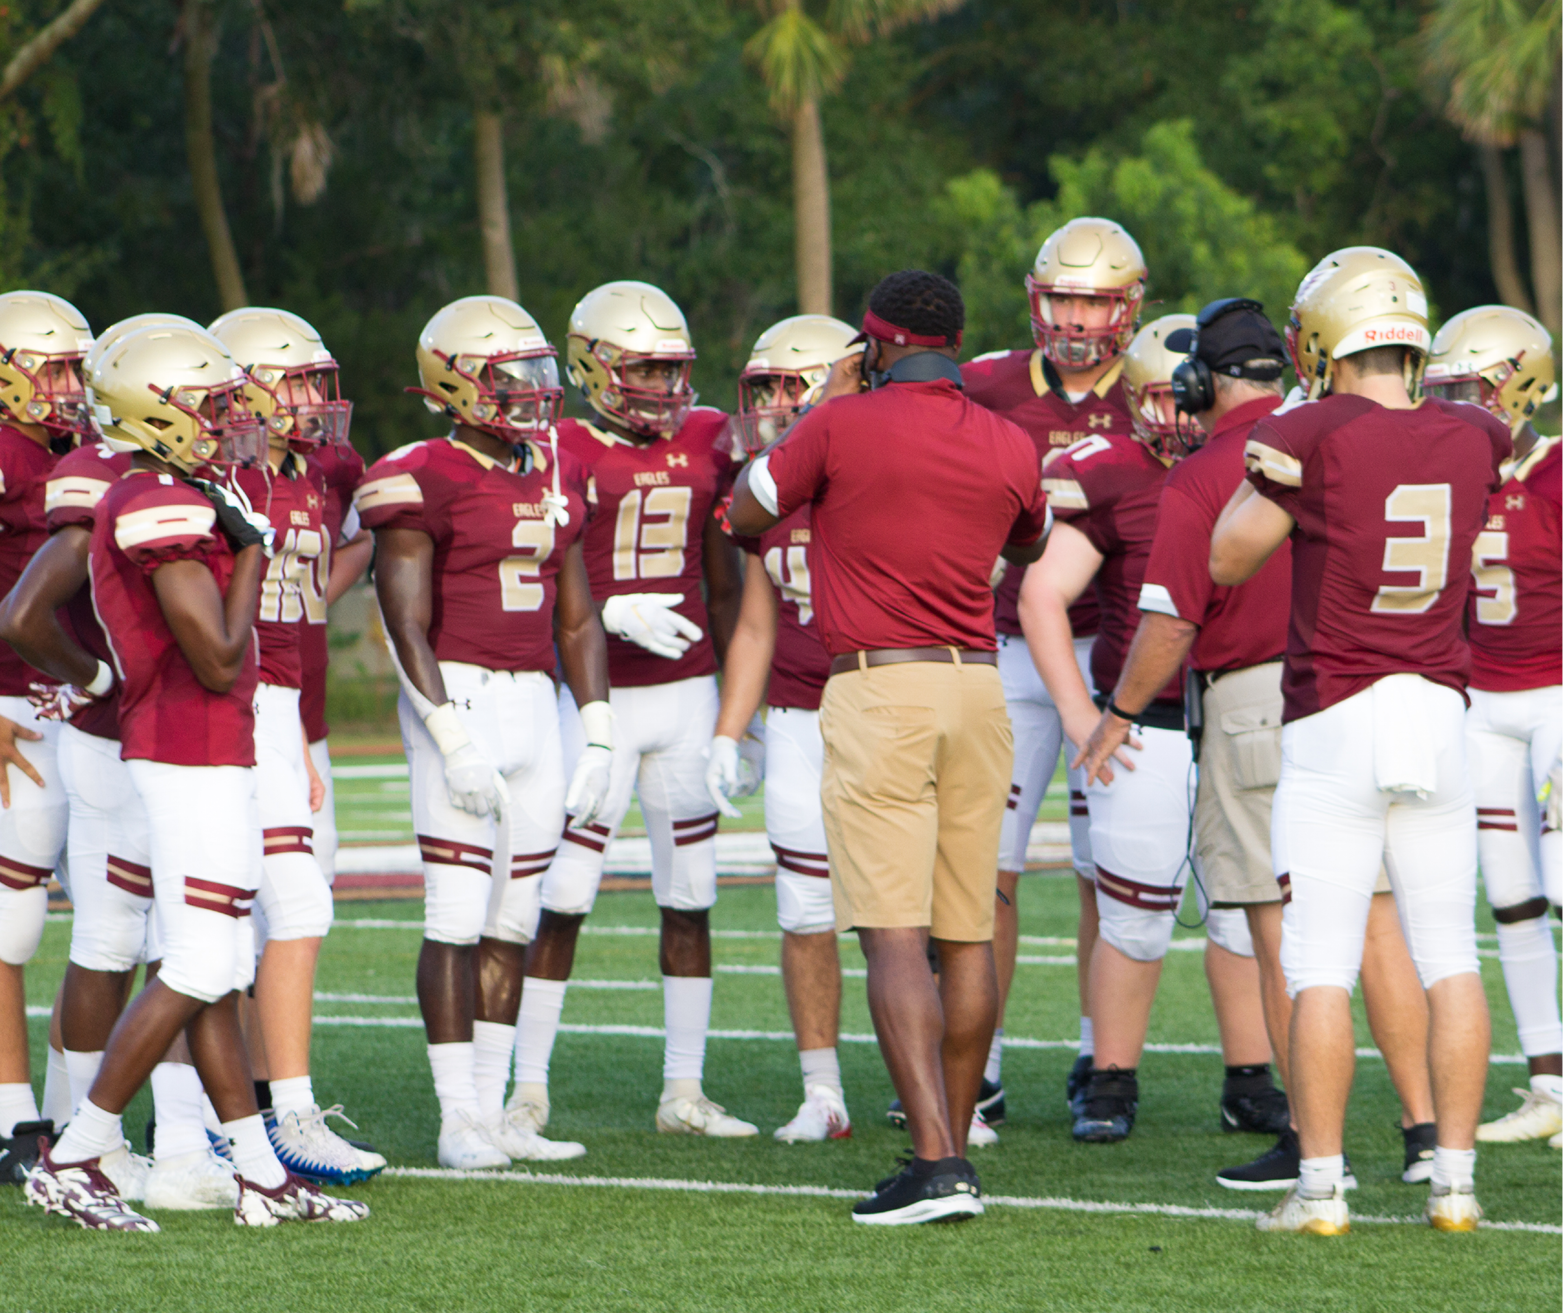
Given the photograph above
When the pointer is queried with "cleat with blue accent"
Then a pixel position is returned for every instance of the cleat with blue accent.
(311, 1150)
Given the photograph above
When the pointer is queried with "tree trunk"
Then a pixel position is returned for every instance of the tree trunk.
(1500, 230)
(37, 52)
(1541, 217)
(202, 152)
(499, 256)
(811, 210)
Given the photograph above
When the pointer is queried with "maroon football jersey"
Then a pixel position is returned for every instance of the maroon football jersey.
(496, 561)
(1108, 487)
(1024, 387)
(289, 600)
(1238, 627)
(1388, 504)
(1516, 618)
(336, 469)
(75, 488)
(800, 665)
(24, 469)
(652, 501)
(165, 714)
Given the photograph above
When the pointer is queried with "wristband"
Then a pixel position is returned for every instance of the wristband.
(449, 734)
(1122, 714)
(597, 721)
(102, 682)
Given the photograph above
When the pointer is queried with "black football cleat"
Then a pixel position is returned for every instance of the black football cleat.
(923, 1191)
(990, 1103)
(1079, 1077)
(1251, 1102)
(1107, 1107)
(1420, 1140)
(19, 1154)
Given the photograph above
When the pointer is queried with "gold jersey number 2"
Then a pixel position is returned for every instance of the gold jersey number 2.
(649, 536)
(1426, 555)
(520, 586)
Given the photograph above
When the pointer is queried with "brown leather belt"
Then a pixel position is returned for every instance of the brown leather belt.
(890, 656)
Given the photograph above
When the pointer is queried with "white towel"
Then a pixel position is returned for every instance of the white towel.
(1403, 758)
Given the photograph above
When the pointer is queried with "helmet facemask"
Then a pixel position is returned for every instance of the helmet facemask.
(1074, 345)
(651, 411)
(511, 397)
(302, 404)
(769, 402)
(226, 431)
(58, 400)
(1489, 389)
(1157, 422)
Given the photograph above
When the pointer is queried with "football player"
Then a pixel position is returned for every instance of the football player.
(175, 567)
(1383, 498)
(1501, 358)
(1104, 491)
(775, 656)
(667, 578)
(292, 384)
(1085, 290)
(42, 411)
(479, 573)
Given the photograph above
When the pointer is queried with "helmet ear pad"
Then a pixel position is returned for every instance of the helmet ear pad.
(1193, 388)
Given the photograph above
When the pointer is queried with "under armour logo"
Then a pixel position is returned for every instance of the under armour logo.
(1514, 502)
(1099, 421)
(677, 458)
(312, 501)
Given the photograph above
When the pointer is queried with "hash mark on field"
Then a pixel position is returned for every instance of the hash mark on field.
(827, 1192)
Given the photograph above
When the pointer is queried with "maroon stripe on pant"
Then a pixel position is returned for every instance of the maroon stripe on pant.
(18, 875)
(132, 877)
(288, 839)
(696, 822)
(693, 836)
(1147, 897)
(1285, 881)
(448, 852)
(210, 896)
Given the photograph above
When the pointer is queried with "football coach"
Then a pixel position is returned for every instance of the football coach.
(915, 492)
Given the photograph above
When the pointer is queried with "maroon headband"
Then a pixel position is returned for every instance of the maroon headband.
(885, 331)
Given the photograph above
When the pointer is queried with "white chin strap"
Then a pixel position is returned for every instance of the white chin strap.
(556, 513)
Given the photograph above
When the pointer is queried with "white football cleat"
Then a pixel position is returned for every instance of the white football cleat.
(82, 1193)
(192, 1180)
(1326, 1216)
(465, 1144)
(529, 1109)
(683, 1115)
(1539, 1118)
(307, 1147)
(127, 1172)
(1556, 1142)
(523, 1144)
(295, 1200)
(1453, 1209)
(821, 1116)
(981, 1135)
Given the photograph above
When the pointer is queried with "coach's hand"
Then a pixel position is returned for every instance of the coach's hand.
(1104, 745)
(10, 755)
(722, 773)
(649, 620)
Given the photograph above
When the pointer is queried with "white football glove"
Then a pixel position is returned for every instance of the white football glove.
(589, 783)
(470, 778)
(648, 619)
(63, 701)
(722, 773)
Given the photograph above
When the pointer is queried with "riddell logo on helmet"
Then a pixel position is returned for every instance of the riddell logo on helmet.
(1392, 335)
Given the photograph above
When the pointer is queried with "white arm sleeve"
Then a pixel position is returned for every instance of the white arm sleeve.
(762, 485)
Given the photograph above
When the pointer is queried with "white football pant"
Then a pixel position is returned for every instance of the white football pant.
(32, 836)
(1513, 740)
(660, 736)
(794, 822)
(325, 818)
(294, 900)
(513, 720)
(1332, 827)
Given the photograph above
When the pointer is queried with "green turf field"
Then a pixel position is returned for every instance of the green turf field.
(647, 1224)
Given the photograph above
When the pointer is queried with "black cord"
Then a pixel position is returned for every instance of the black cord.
(1200, 894)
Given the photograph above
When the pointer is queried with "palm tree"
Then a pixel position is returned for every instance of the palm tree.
(803, 59)
(1498, 64)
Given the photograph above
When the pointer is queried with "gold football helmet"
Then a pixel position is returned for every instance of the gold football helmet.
(1356, 299)
(620, 325)
(177, 393)
(293, 381)
(1086, 257)
(104, 342)
(483, 361)
(1147, 381)
(787, 367)
(1496, 356)
(43, 339)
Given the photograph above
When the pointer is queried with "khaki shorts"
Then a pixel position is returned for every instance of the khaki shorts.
(917, 768)
(1239, 766)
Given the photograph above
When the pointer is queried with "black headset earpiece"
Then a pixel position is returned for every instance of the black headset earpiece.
(1193, 388)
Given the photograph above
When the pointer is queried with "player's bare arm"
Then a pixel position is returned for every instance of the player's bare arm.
(724, 584)
(1247, 534)
(29, 616)
(213, 632)
(404, 583)
(746, 668)
(348, 564)
(583, 647)
(1161, 644)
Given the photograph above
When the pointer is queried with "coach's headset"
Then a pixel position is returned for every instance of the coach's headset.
(1193, 387)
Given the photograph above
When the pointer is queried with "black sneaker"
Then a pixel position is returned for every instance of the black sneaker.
(1252, 1103)
(1079, 1078)
(1275, 1169)
(20, 1152)
(923, 1191)
(1107, 1107)
(990, 1103)
(1420, 1140)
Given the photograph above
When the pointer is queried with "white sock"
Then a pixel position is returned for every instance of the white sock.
(1087, 1038)
(686, 1009)
(292, 1094)
(209, 1117)
(820, 1067)
(16, 1105)
(253, 1157)
(1318, 1177)
(57, 1104)
(455, 1080)
(1454, 1169)
(91, 1134)
(176, 1106)
(81, 1069)
(995, 1067)
(1551, 1086)
(492, 1045)
(1530, 973)
(536, 1029)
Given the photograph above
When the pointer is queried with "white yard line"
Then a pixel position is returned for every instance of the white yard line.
(825, 1192)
